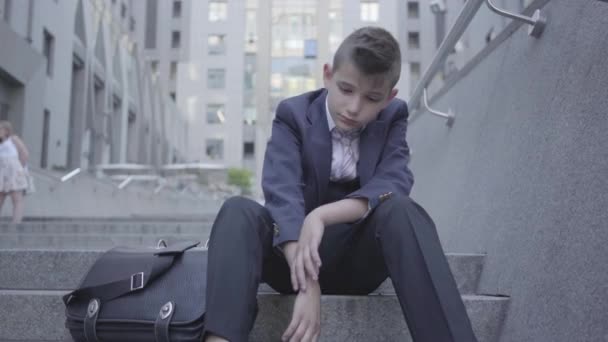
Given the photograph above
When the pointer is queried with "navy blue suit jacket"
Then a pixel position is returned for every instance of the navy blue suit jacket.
(298, 157)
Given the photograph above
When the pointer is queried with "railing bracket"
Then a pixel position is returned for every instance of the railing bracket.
(449, 116)
(537, 22)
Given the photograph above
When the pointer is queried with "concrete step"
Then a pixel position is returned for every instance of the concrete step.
(63, 270)
(110, 227)
(89, 241)
(130, 218)
(345, 318)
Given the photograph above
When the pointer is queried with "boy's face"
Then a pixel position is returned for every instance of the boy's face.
(355, 99)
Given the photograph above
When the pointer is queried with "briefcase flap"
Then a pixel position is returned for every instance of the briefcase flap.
(184, 284)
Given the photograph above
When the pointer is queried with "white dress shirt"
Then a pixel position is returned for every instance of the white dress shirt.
(345, 151)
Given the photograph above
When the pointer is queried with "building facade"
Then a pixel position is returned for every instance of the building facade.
(73, 84)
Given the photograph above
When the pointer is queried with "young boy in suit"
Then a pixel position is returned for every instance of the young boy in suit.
(337, 217)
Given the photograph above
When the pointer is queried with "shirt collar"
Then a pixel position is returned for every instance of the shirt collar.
(330, 121)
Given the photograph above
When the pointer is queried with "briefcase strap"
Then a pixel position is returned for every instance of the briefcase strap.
(137, 281)
(115, 289)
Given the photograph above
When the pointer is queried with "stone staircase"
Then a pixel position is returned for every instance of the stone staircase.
(42, 260)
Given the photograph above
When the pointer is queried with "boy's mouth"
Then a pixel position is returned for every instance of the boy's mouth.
(347, 121)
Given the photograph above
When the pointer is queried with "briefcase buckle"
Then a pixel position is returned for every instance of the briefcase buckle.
(137, 281)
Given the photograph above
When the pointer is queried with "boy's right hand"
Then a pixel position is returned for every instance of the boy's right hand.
(289, 250)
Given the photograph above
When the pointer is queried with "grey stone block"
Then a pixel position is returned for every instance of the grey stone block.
(63, 270)
(345, 318)
(87, 241)
(109, 227)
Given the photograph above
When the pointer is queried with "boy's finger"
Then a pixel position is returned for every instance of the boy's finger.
(290, 329)
(308, 334)
(297, 336)
(294, 278)
(300, 273)
(310, 268)
(316, 257)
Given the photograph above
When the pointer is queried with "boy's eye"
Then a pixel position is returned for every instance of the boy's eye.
(373, 99)
(346, 90)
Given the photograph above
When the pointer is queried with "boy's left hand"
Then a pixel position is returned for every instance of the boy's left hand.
(307, 260)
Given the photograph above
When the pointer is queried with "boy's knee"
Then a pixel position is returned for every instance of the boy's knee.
(239, 204)
(396, 203)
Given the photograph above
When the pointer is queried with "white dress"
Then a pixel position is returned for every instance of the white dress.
(12, 173)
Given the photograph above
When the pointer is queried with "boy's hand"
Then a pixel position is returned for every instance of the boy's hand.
(307, 260)
(306, 319)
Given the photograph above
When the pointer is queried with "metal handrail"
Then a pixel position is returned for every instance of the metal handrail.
(70, 175)
(460, 25)
(468, 12)
(537, 21)
(449, 116)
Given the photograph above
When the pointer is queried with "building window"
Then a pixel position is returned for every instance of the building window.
(218, 10)
(173, 71)
(215, 148)
(413, 10)
(6, 10)
(154, 67)
(46, 124)
(48, 49)
(216, 78)
(173, 96)
(177, 9)
(216, 44)
(414, 71)
(215, 113)
(176, 38)
(132, 24)
(248, 149)
(123, 10)
(369, 10)
(413, 40)
(4, 111)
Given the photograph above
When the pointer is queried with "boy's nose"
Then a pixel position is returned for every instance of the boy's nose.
(354, 108)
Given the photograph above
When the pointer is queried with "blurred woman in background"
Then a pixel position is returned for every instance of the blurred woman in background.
(13, 175)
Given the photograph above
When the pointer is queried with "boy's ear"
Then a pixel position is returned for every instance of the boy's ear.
(392, 94)
(327, 73)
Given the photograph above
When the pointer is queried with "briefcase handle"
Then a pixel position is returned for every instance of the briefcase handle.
(137, 281)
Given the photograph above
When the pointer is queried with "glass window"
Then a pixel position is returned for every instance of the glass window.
(5, 11)
(173, 70)
(177, 9)
(215, 148)
(154, 67)
(123, 10)
(48, 50)
(215, 113)
(4, 111)
(413, 10)
(369, 10)
(216, 44)
(413, 40)
(216, 78)
(218, 10)
(248, 149)
(415, 71)
(176, 38)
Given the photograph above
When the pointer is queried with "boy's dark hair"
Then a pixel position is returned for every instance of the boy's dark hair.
(373, 50)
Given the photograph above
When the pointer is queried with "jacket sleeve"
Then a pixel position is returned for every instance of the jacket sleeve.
(392, 175)
(282, 177)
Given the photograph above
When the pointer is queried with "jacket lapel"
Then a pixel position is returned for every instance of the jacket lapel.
(370, 146)
(321, 149)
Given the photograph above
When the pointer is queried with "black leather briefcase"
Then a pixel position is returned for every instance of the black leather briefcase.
(141, 294)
